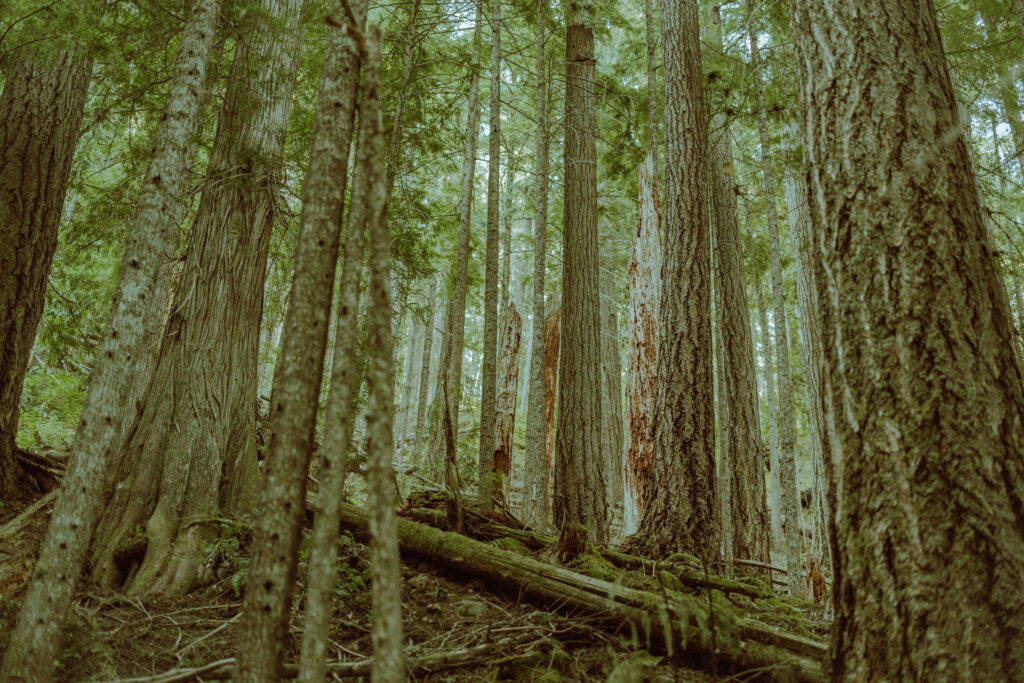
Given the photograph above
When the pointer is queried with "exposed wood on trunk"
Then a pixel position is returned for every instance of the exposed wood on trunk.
(552, 346)
(612, 422)
(505, 405)
(642, 377)
(31, 652)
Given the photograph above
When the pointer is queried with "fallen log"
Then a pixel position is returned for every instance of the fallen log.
(708, 634)
(536, 541)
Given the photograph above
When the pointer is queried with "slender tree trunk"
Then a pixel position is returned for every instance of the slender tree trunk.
(31, 653)
(788, 460)
(922, 394)
(612, 423)
(409, 377)
(774, 498)
(552, 348)
(682, 515)
(426, 364)
(651, 40)
(579, 502)
(299, 372)
(450, 364)
(488, 383)
(748, 511)
(642, 377)
(505, 404)
(725, 466)
(41, 110)
(537, 465)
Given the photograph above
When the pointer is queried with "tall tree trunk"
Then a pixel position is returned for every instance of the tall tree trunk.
(642, 377)
(612, 422)
(41, 110)
(682, 515)
(537, 466)
(31, 652)
(423, 395)
(450, 363)
(409, 378)
(789, 481)
(922, 394)
(191, 454)
(747, 513)
(505, 403)
(296, 393)
(775, 497)
(651, 40)
(488, 382)
(579, 498)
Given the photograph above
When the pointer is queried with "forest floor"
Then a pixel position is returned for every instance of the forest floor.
(456, 627)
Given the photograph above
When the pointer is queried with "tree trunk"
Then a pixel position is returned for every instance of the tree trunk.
(426, 364)
(789, 481)
(409, 378)
(651, 40)
(579, 496)
(191, 454)
(41, 110)
(296, 393)
(450, 363)
(642, 378)
(31, 653)
(774, 497)
(538, 465)
(552, 347)
(488, 382)
(612, 437)
(748, 511)
(505, 404)
(682, 514)
(922, 394)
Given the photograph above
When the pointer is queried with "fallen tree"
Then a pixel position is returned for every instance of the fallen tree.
(707, 632)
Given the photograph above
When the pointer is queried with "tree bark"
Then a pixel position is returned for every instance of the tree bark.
(682, 514)
(426, 363)
(537, 465)
(651, 41)
(41, 110)
(642, 378)
(296, 393)
(488, 383)
(774, 498)
(31, 653)
(191, 454)
(922, 394)
(552, 347)
(612, 423)
(789, 480)
(505, 404)
(579, 494)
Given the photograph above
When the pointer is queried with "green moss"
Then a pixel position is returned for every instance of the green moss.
(684, 558)
(511, 545)
(670, 581)
(593, 564)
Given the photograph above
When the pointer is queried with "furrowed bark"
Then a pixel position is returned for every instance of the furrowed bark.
(31, 652)
(505, 404)
(612, 423)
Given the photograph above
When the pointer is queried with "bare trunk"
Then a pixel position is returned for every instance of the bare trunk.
(579, 492)
(31, 653)
(410, 375)
(537, 466)
(921, 391)
(682, 515)
(651, 39)
(423, 395)
(642, 377)
(488, 382)
(774, 497)
(552, 347)
(505, 404)
(612, 437)
(41, 110)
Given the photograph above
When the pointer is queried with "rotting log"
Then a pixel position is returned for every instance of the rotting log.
(674, 625)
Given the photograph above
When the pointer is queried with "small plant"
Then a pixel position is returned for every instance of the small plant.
(225, 558)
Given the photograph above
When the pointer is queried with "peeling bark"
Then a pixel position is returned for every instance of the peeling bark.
(505, 403)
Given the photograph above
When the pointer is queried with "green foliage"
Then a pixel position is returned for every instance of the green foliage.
(50, 403)
(228, 556)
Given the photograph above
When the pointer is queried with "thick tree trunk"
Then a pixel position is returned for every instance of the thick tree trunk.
(31, 654)
(505, 403)
(682, 515)
(489, 367)
(612, 422)
(579, 497)
(642, 356)
(789, 481)
(922, 394)
(747, 513)
(41, 109)
(537, 464)
(191, 455)
(296, 393)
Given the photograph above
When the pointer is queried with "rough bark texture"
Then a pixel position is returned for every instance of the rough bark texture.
(651, 40)
(612, 422)
(450, 364)
(682, 515)
(31, 652)
(789, 483)
(41, 110)
(579, 496)
(409, 377)
(296, 393)
(552, 347)
(747, 510)
(922, 395)
(774, 497)
(488, 382)
(505, 403)
(191, 454)
(642, 377)
(537, 465)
